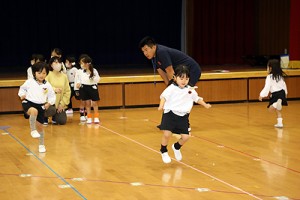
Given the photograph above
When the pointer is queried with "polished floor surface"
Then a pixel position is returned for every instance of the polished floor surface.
(234, 153)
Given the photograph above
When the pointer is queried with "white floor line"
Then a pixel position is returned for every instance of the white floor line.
(189, 166)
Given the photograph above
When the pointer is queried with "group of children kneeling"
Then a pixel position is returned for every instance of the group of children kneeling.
(49, 88)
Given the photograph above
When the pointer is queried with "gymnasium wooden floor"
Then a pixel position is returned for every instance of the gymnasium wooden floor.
(234, 153)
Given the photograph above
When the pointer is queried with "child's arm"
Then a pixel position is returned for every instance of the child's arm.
(161, 103)
(22, 91)
(265, 91)
(96, 76)
(203, 103)
(77, 82)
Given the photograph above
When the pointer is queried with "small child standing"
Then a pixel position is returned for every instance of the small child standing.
(177, 101)
(34, 59)
(71, 73)
(86, 81)
(275, 85)
(37, 95)
(57, 52)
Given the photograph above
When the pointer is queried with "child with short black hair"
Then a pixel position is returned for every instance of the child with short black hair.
(57, 52)
(37, 95)
(177, 101)
(34, 59)
(71, 66)
(275, 85)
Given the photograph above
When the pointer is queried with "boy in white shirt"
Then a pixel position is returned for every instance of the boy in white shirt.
(71, 73)
(37, 95)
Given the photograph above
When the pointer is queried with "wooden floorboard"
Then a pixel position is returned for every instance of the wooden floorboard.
(234, 153)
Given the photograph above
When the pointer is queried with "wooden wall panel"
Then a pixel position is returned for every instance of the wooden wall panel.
(223, 90)
(140, 94)
(143, 93)
(257, 84)
(9, 100)
(293, 87)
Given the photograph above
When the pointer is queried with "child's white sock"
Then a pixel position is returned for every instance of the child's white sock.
(279, 120)
(41, 138)
(32, 120)
(279, 123)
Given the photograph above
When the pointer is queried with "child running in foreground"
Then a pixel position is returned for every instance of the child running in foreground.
(276, 85)
(177, 101)
(37, 95)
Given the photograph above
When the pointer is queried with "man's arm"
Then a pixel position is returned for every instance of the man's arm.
(170, 72)
(163, 75)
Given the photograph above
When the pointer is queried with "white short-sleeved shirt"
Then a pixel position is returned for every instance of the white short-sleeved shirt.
(83, 78)
(179, 100)
(29, 73)
(71, 73)
(37, 93)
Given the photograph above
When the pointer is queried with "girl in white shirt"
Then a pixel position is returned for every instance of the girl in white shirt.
(86, 81)
(275, 85)
(177, 101)
(37, 95)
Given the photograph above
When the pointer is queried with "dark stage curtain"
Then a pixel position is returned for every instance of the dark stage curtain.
(109, 31)
(294, 42)
(223, 31)
(272, 26)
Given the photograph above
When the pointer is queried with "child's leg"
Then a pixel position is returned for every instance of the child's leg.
(81, 107)
(279, 119)
(95, 106)
(164, 142)
(88, 110)
(176, 147)
(277, 106)
(81, 110)
(70, 106)
(33, 112)
(32, 120)
(40, 129)
(184, 138)
(42, 148)
(96, 113)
